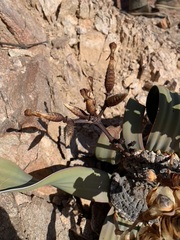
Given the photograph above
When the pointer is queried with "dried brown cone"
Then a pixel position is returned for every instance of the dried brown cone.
(91, 106)
(90, 102)
(113, 100)
(53, 116)
(110, 73)
(110, 76)
(77, 111)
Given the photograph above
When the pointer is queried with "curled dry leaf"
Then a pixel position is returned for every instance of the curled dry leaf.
(175, 180)
(160, 201)
(176, 192)
(159, 190)
(77, 111)
(170, 226)
(149, 233)
(113, 100)
(151, 175)
(162, 205)
(53, 116)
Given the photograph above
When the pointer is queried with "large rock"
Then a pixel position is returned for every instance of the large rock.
(28, 87)
(30, 217)
(20, 23)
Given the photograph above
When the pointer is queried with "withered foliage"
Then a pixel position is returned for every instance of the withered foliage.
(161, 219)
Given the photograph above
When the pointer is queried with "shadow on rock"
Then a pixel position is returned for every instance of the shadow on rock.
(7, 231)
(51, 233)
(86, 136)
(44, 172)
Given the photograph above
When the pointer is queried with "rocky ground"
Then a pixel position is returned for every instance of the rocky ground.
(47, 76)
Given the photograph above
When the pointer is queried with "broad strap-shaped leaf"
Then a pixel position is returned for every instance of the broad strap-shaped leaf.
(132, 124)
(12, 176)
(163, 109)
(109, 227)
(88, 183)
(104, 151)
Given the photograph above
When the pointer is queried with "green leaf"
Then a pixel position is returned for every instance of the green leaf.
(88, 183)
(132, 124)
(12, 176)
(163, 109)
(104, 151)
(108, 228)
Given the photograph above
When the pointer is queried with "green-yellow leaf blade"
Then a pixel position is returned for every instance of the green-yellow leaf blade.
(88, 183)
